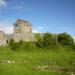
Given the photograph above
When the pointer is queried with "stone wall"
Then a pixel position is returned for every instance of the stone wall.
(23, 36)
(2, 38)
(3, 42)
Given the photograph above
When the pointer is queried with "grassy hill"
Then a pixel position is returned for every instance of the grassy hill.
(36, 62)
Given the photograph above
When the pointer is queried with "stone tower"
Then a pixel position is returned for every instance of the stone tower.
(23, 31)
(22, 26)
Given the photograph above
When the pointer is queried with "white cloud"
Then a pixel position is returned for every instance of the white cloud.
(7, 28)
(38, 29)
(2, 3)
(35, 31)
(15, 5)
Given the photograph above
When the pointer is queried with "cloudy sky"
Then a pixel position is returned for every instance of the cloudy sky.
(54, 16)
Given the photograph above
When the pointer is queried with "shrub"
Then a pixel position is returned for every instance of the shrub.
(48, 40)
(73, 46)
(21, 45)
(21, 42)
(15, 46)
(45, 40)
(38, 40)
(11, 42)
(65, 39)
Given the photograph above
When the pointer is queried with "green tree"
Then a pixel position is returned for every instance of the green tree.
(21, 43)
(14, 45)
(11, 42)
(73, 46)
(38, 40)
(48, 40)
(65, 39)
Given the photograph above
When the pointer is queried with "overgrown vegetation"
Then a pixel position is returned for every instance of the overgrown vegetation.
(45, 40)
(48, 40)
(65, 39)
(21, 45)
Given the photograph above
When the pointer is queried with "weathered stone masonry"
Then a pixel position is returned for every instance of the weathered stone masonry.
(22, 31)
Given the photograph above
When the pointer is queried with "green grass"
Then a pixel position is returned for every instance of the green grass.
(55, 62)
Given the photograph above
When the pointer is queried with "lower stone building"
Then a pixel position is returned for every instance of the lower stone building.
(2, 38)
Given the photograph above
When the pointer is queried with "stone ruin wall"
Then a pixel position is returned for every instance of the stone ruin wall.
(23, 31)
(25, 37)
(2, 38)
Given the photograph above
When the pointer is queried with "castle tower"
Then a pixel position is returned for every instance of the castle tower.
(22, 26)
(23, 31)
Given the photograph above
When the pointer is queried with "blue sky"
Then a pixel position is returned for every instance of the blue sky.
(54, 16)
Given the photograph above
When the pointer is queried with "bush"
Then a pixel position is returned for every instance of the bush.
(65, 39)
(48, 40)
(73, 46)
(21, 45)
(21, 42)
(45, 40)
(11, 42)
(15, 46)
(38, 40)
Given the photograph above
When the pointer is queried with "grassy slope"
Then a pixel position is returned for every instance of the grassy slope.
(27, 63)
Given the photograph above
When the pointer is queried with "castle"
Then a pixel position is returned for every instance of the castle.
(22, 30)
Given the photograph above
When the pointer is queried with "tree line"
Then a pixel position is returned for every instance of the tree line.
(45, 40)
